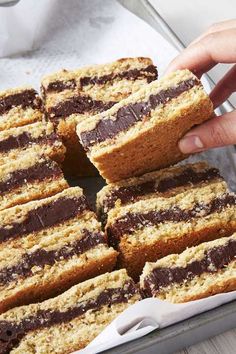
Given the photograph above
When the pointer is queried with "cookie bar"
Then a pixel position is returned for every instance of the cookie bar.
(198, 272)
(28, 178)
(19, 106)
(72, 96)
(141, 133)
(151, 229)
(71, 320)
(48, 245)
(166, 182)
(37, 137)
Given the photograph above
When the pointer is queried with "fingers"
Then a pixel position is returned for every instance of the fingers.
(224, 88)
(218, 131)
(216, 27)
(217, 47)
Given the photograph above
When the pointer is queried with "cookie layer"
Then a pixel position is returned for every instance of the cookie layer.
(166, 182)
(19, 106)
(141, 133)
(70, 321)
(198, 272)
(37, 138)
(48, 245)
(28, 178)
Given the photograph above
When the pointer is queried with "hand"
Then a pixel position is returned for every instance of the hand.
(217, 45)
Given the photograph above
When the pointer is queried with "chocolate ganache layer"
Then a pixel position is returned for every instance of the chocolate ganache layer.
(214, 259)
(77, 105)
(11, 332)
(38, 172)
(128, 115)
(149, 73)
(25, 139)
(25, 99)
(45, 216)
(132, 193)
(132, 221)
(42, 257)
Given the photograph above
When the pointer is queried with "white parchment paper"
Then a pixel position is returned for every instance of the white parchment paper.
(39, 37)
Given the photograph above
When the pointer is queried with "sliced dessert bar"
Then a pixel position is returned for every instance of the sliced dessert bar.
(151, 229)
(166, 182)
(48, 245)
(72, 96)
(37, 137)
(198, 272)
(19, 106)
(141, 133)
(28, 178)
(71, 320)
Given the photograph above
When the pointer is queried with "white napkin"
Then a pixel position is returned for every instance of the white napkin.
(148, 315)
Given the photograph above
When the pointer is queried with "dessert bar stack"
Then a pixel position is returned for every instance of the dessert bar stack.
(141, 133)
(198, 272)
(71, 320)
(48, 245)
(71, 97)
(157, 225)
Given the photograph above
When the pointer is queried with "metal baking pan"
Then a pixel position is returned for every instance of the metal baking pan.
(210, 323)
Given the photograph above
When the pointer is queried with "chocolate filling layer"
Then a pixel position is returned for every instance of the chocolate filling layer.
(11, 332)
(45, 216)
(58, 86)
(38, 172)
(42, 257)
(214, 259)
(79, 105)
(132, 193)
(25, 99)
(132, 221)
(25, 139)
(128, 115)
(149, 73)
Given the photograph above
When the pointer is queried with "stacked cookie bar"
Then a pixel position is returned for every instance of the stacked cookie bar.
(48, 245)
(141, 133)
(70, 321)
(198, 272)
(71, 97)
(165, 212)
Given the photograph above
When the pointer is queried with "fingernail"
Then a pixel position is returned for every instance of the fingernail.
(190, 144)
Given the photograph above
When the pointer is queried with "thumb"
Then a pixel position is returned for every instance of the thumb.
(219, 131)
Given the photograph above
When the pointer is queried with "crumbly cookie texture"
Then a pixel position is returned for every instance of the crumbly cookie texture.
(141, 133)
(39, 137)
(69, 321)
(151, 229)
(19, 106)
(164, 183)
(198, 272)
(73, 96)
(48, 245)
(29, 178)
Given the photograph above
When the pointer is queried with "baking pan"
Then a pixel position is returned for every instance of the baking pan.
(210, 323)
